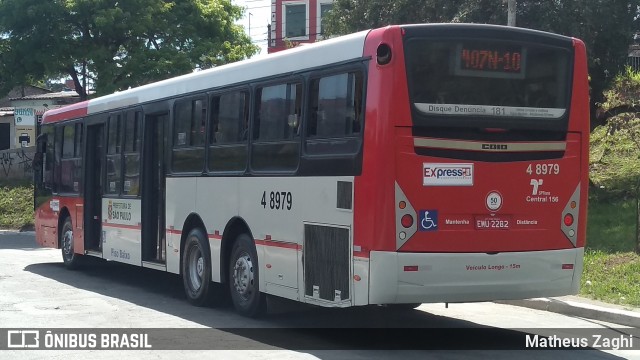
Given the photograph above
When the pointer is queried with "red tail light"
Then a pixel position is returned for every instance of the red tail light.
(568, 219)
(407, 221)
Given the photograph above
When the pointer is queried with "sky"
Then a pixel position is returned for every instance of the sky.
(258, 16)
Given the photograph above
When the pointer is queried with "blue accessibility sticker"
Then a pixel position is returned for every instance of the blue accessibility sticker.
(428, 220)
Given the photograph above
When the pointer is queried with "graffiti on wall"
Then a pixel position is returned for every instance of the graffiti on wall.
(17, 163)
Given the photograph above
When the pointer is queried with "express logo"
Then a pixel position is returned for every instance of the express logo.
(447, 174)
(440, 173)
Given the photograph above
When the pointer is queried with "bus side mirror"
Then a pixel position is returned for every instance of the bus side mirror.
(37, 160)
(38, 157)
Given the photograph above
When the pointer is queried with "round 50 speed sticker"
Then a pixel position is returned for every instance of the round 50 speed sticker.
(494, 201)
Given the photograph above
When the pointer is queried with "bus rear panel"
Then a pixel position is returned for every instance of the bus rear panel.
(490, 142)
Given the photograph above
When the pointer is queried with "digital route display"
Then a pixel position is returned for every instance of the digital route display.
(503, 61)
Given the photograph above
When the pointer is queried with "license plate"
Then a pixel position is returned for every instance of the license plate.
(492, 223)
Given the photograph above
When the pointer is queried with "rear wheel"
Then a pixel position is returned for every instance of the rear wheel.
(196, 269)
(244, 278)
(402, 307)
(71, 260)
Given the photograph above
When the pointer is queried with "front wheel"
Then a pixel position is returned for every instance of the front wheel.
(71, 260)
(244, 278)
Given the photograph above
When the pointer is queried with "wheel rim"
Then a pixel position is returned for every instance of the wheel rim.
(243, 276)
(67, 242)
(195, 265)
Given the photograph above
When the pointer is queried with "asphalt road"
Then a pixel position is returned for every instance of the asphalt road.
(36, 291)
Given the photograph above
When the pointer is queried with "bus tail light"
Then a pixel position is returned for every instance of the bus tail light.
(407, 220)
(569, 222)
(406, 225)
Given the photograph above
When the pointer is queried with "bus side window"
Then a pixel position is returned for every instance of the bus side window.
(228, 134)
(188, 135)
(113, 184)
(71, 162)
(48, 159)
(132, 140)
(335, 111)
(276, 127)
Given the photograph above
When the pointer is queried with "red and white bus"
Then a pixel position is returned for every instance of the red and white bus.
(401, 165)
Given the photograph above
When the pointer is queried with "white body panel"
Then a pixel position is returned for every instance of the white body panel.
(471, 277)
(278, 232)
(121, 230)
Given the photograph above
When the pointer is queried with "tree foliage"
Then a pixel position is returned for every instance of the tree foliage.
(606, 27)
(116, 44)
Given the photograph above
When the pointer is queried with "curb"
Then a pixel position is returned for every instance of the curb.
(579, 309)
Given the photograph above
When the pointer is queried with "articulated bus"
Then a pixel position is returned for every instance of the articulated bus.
(395, 166)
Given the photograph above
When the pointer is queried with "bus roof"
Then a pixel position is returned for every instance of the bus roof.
(303, 57)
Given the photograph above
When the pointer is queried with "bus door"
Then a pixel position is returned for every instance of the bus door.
(153, 188)
(93, 187)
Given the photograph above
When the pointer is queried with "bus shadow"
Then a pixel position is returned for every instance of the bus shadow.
(294, 326)
(15, 240)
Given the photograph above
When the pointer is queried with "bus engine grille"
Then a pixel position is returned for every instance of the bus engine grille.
(326, 262)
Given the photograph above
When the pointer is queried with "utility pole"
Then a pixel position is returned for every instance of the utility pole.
(511, 13)
(250, 24)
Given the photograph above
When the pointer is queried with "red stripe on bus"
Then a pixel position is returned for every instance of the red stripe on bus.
(280, 244)
(68, 112)
(174, 232)
(215, 236)
(121, 226)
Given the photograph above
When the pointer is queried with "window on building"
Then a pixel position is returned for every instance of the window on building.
(295, 20)
(325, 8)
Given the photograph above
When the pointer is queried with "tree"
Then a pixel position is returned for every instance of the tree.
(117, 44)
(606, 27)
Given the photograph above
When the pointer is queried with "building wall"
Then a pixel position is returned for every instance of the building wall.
(16, 164)
(278, 23)
(27, 115)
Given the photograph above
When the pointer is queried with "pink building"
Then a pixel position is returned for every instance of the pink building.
(297, 21)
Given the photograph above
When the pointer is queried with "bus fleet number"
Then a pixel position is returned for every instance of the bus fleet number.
(277, 200)
(544, 169)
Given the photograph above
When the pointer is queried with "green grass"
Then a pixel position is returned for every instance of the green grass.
(611, 267)
(16, 205)
(613, 278)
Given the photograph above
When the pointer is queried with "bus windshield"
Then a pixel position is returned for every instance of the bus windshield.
(488, 78)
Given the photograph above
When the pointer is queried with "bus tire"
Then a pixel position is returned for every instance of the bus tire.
(196, 269)
(71, 260)
(244, 278)
(403, 307)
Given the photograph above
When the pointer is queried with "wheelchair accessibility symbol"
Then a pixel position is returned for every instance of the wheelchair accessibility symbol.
(428, 220)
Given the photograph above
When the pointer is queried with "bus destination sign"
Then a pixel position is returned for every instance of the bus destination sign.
(490, 60)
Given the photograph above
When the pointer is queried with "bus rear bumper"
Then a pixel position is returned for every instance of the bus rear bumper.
(396, 278)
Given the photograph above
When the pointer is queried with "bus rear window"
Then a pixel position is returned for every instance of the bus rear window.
(488, 78)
